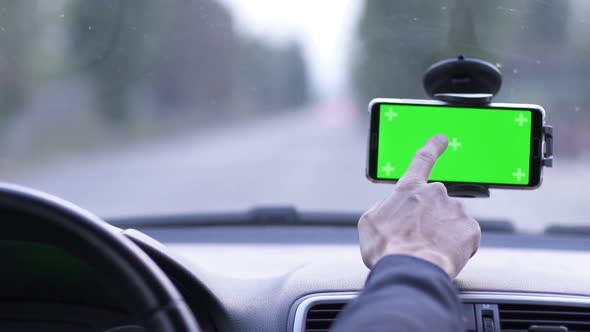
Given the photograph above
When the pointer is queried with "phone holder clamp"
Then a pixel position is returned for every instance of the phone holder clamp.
(548, 151)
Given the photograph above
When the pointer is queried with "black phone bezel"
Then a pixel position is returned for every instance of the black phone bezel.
(536, 148)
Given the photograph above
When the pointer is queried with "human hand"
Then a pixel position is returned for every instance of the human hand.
(420, 219)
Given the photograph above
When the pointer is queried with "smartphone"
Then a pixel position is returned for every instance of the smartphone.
(497, 145)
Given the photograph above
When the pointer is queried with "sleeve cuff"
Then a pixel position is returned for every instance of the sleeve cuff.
(406, 261)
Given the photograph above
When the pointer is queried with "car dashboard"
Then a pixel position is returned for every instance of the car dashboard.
(269, 277)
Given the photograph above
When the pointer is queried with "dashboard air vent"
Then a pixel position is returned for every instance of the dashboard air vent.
(520, 317)
(321, 316)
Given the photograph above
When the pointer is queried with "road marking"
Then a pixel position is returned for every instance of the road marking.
(521, 120)
(388, 169)
(519, 174)
(390, 114)
(455, 144)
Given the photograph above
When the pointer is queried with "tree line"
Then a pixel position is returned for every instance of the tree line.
(184, 56)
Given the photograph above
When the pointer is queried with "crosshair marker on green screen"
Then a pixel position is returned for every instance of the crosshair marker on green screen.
(485, 145)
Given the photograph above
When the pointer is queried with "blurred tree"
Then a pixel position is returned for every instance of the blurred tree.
(209, 68)
(545, 24)
(395, 46)
(17, 38)
(462, 36)
(254, 84)
(399, 40)
(271, 77)
(197, 68)
(115, 43)
(296, 87)
(550, 71)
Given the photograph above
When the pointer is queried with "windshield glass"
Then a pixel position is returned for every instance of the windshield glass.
(132, 108)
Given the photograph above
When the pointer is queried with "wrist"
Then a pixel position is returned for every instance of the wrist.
(438, 259)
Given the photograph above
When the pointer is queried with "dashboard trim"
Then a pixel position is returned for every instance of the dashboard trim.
(302, 306)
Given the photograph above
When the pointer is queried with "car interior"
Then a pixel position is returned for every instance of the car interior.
(199, 165)
(263, 270)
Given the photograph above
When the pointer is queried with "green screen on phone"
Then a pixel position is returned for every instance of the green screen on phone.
(485, 145)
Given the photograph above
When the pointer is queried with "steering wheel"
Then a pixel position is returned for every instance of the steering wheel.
(32, 215)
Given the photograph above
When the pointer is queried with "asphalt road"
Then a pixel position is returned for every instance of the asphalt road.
(312, 159)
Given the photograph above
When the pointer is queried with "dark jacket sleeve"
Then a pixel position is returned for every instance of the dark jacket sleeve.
(404, 293)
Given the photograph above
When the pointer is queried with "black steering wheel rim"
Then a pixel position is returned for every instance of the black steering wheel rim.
(148, 290)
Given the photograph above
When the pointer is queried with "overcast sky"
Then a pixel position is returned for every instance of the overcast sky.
(325, 29)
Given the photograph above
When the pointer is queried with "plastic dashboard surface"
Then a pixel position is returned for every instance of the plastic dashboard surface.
(258, 273)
